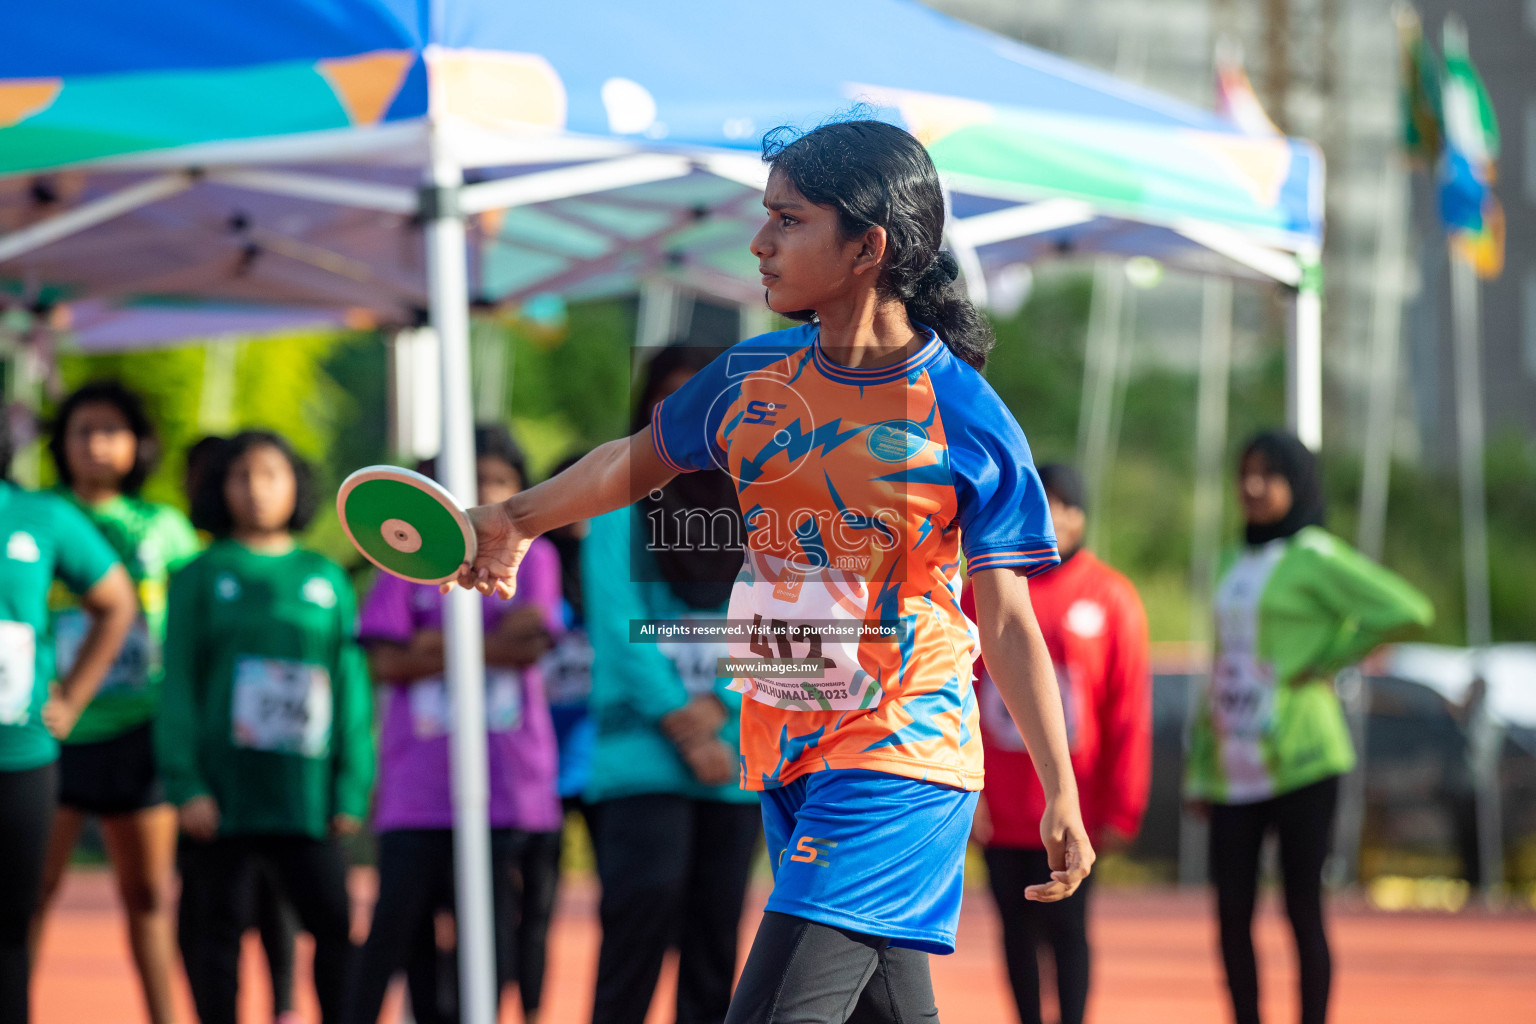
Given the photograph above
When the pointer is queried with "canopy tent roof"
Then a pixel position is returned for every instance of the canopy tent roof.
(272, 152)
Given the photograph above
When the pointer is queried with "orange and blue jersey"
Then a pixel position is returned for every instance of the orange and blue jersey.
(861, 489)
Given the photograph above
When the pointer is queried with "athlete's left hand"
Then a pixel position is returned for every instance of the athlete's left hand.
(711, 762)
(695, 722)
(60, 714)
(1067, 849)
(343, 825)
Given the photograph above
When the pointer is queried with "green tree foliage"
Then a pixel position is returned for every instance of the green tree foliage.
(572, 392)
(289, 384)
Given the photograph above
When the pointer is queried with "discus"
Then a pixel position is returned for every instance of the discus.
(406, 524)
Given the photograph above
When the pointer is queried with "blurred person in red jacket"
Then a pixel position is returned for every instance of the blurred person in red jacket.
(1096, 631)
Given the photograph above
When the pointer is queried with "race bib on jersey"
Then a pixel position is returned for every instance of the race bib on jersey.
(18, 667)
(1242, 695)
(695, 664)
(432, 704)
(1242, 683)
(1004, 733)
(282, 707)
(567, 669)
(790, 609)
(1001, 730)
(131, 668)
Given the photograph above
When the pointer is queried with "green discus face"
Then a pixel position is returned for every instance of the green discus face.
(405, 523)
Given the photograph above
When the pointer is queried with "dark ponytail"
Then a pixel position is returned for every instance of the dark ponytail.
(875, 174)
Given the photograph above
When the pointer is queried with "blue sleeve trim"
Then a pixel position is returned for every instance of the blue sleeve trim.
(1034, 555)
(659, 443)
(1001, 506)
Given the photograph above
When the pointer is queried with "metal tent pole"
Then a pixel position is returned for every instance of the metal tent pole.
(1304, 358)
(1205, 547)
(1101, 369)
(464, 641)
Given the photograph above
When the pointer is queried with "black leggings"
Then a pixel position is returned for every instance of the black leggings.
(537, 876)
(1303, 820)
(218, 881)
(1027, 924)
(802, 972)
(273, 919)
(416, 880)
(278, 925)
(26, 814)
(674, 872)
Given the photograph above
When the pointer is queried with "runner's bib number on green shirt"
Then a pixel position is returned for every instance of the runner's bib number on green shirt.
(131, 668)
(1243, 683)
(281, 706)
(1242, 696)
(18, 653)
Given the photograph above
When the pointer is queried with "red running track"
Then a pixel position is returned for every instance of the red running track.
(1156, 964)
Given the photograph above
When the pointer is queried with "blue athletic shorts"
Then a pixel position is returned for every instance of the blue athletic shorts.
(870, 852)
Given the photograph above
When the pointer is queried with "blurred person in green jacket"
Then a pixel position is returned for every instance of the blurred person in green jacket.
(265, 729)
(673, 833)
(104, 447)
(1270, 742)
(43, 538)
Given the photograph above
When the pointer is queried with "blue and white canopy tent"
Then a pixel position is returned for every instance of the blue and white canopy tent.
(274, 153)
(400, 156)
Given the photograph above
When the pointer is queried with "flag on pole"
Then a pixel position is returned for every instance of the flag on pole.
(1423, 129)
(1470, 124)
(1467, 169)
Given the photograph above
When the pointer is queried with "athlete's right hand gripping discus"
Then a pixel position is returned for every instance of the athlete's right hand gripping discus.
(406, 524)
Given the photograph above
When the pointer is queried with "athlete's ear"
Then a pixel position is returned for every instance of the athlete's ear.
(871, 250)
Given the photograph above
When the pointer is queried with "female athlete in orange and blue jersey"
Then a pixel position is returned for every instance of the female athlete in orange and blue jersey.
(869, 455)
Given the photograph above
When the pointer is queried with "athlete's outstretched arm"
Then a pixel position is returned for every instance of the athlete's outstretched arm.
(610, 476)
(1020, 667)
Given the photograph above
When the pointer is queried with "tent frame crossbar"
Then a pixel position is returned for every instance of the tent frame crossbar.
(570, 182)
(88, 215)
(482, 197)
(1022, 221)
(322, 188)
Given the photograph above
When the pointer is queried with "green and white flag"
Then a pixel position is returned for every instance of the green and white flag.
(1467, 170)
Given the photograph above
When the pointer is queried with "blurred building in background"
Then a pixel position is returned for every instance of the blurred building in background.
(1328, 70)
